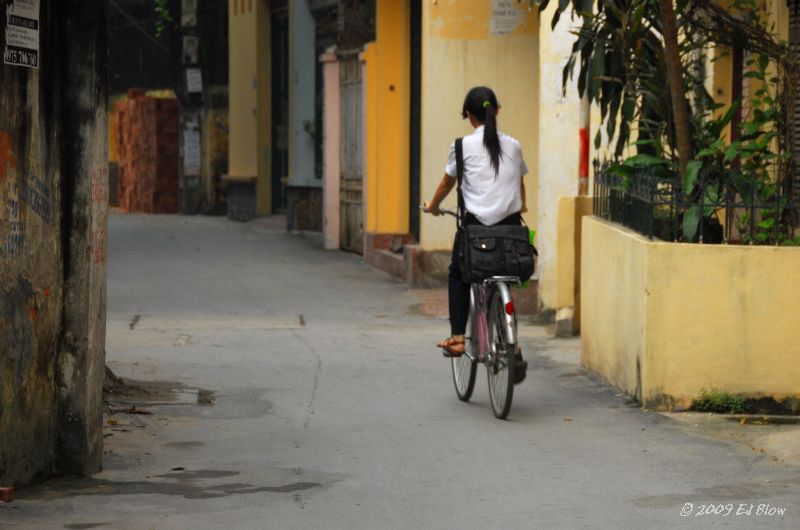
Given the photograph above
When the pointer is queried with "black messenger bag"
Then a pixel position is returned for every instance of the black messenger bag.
(486, 251)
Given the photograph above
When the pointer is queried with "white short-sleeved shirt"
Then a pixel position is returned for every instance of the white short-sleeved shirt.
(488, 196)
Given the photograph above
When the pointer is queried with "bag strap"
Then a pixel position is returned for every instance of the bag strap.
(462, 210)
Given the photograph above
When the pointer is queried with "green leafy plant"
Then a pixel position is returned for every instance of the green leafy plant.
(163, 16)
(622, 51)
(719, 401)
(749, 168)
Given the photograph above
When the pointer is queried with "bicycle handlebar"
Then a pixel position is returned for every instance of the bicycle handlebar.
(445, 211)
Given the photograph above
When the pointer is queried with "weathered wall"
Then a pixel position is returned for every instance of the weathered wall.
(84, 167)
(30, 285)
(459, 51)
(53, 206)
(304, 208)
(215, 153)
(331, 136)
(689, 317)
(559, 123)
(302, 65)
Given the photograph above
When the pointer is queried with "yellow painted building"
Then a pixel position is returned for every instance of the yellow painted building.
(425, 57)
(560, 285)
(387, 137)
(461, 44)
(466, 44)
(460, 48)
(249, 95)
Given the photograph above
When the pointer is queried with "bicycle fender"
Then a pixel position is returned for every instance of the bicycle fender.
(511, 328)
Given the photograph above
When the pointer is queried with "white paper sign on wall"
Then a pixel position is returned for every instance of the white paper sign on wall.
(22, 33)
(194, 80)
(506, 16)
(192, 164)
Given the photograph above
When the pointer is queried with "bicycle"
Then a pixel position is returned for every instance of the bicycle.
(491, 340)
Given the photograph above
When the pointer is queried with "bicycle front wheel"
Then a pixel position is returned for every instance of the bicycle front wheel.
(464, 370)
(500, 360)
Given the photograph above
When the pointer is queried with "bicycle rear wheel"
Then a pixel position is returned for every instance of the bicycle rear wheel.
(500, 360)
(464, 370)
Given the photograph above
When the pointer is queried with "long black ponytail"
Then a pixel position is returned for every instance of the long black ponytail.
(481, 103)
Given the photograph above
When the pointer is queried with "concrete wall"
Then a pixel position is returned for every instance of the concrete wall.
(459, 51)
(31, 293)
(302, 76)
(250, 121)
(53, 208)
(331, 138)
(557, 134)
(662, 321)
(215, 152)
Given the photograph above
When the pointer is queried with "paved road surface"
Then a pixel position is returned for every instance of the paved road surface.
(331, 409)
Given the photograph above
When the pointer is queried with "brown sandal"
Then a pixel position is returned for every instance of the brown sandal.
(452, 347)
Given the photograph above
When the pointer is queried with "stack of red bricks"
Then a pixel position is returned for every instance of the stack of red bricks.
(148, 153)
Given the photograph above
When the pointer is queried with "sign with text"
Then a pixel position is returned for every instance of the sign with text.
(192, 162)
(22, 33)
(506, 16)
(194, 80)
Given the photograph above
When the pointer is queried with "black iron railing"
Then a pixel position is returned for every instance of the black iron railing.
(651, 201)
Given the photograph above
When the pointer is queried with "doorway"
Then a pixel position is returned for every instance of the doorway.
(280, 103)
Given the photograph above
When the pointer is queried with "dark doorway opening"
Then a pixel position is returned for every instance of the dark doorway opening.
(280, 103)
(415, 116)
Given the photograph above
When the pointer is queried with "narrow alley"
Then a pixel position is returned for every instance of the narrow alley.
(278, 385)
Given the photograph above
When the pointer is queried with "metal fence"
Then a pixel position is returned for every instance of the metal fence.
(651, 201)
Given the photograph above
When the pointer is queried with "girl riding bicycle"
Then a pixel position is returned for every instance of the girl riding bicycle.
(493, 191)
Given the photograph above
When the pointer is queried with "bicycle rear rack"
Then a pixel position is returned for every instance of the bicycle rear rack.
(504, 279)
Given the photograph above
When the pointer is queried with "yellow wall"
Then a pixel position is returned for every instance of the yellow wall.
(371, 110)
(779, 17)
(263, 74)
(250, 97)
(388, 89)
(243, 98)
(459, 52)
(612, 304)
(571, 211)
(718, 317)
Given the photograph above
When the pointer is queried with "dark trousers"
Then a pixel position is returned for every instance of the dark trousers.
(457, 289)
